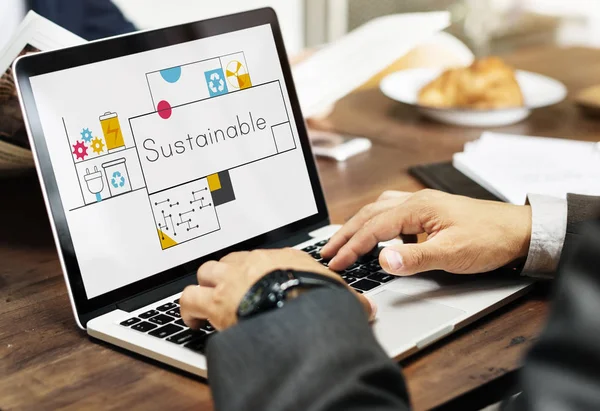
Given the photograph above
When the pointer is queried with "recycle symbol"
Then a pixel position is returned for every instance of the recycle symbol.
(117, 180)
(213, 78)
(86, 135)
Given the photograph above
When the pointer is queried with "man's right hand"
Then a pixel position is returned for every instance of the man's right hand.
(464, 235)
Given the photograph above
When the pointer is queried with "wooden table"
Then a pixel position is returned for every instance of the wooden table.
(47, 363)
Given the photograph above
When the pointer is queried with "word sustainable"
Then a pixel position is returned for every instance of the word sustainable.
(240, 128)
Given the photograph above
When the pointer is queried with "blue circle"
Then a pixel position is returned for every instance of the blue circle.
(171, 75)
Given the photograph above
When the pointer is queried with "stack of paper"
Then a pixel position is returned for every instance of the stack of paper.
(512, 166)
(340, 67)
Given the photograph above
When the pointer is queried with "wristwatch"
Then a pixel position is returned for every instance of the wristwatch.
(272, 290)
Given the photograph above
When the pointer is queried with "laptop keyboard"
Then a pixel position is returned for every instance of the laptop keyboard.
(164, 321)
(362, 276)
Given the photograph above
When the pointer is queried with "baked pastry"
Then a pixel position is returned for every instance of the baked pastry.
(488, 83)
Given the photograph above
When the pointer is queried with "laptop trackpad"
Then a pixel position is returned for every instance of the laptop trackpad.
(405, 320)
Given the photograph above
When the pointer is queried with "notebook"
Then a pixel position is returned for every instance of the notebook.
(512, 166)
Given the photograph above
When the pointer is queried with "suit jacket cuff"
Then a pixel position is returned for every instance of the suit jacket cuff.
(548, 230)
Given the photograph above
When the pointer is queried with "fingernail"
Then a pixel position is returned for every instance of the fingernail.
(394, 259)
(373, 310)
(332, 261)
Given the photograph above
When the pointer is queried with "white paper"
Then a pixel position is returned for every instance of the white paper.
(41, 34)
(340, 67)
(512, 166)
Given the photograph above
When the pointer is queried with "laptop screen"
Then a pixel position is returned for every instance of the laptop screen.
(163, 156)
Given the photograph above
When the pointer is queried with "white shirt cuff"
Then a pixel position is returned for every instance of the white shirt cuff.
(548, 231)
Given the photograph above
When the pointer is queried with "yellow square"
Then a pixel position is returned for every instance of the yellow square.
(213, 182)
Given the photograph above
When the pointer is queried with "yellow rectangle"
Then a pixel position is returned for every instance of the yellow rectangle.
(214, 183)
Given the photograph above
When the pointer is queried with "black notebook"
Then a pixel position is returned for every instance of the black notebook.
(444, 177)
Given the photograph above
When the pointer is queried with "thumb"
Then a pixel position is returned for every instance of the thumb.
(409, 259)
(368, 305)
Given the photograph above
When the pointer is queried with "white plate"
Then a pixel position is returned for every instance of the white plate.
(538, 91)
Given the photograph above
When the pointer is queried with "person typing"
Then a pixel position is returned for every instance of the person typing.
(312, 349)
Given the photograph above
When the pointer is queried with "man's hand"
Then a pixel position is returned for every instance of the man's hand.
(223, 284)
(464, 235)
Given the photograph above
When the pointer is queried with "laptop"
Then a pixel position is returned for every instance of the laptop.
(159, 150)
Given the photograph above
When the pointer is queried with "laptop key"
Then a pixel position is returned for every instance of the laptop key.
(166, 307)
(131, 321)
(373, 267)
(365, 285)
(186, 336)
(358, 273)
(348, 280)
(148, 314)
(381, 277)
(161, 319)
(199, 344)
(180, 322)
(174, 313)
(309, 249)
(353, 267)
(144, 326)
(176, 301)
(207, 326)
(322, 243)
(165, 331)
(373, 255)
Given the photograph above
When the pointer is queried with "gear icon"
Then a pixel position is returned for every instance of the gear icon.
(86, 135)
(80, 150)
(97, 145)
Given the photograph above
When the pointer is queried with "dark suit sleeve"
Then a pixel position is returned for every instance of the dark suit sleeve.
(316, 353)
(90, 19)
(581, 209)
(562, 371)
(104, 19)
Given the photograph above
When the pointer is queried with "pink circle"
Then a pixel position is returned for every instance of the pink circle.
(164, 109)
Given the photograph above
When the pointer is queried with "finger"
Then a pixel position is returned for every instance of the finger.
(339, 239)
(196, 305)
(409, 259)
(382, 227)
(211, 273)
(392, 194)
(236, 257)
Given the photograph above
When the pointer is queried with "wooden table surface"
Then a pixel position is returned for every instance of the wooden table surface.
(47, 363)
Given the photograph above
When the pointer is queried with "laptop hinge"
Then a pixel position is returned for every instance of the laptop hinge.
(156, 294)
(297, 238)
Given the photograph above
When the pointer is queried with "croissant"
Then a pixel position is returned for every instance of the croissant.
(488, 83)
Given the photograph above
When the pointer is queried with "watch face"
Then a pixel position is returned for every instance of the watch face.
(251, 300)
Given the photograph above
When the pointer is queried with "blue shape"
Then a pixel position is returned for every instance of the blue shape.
(116, 175)
(98, 197)
(171, 75)
(215, 81)
(86, 135)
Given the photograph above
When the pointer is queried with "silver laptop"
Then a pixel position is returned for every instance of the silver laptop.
(160, 150)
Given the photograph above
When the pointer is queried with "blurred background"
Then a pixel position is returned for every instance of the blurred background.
(486, 26)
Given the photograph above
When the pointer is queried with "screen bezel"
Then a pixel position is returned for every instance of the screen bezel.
(47, 62)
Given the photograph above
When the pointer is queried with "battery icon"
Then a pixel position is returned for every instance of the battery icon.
(111, 128)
